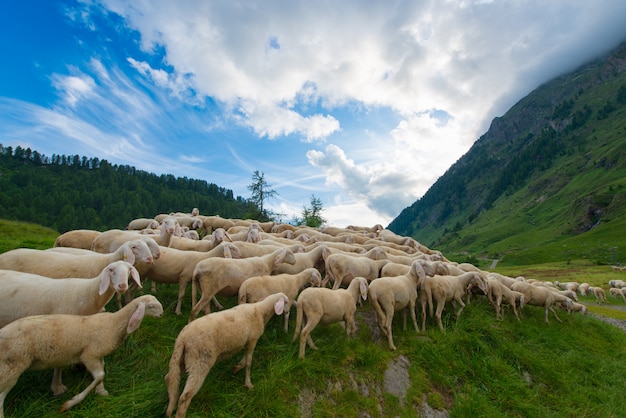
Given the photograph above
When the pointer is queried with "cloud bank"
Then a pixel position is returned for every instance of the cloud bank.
(364, 103)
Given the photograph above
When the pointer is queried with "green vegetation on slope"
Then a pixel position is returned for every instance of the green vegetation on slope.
(70, 192)
(551, 173)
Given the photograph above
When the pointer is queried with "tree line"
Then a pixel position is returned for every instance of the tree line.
(67, 192)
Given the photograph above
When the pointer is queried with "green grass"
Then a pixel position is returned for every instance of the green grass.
(14, 234)
(477, 367)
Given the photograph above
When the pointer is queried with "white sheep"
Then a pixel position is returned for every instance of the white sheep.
(142, 223)
(505, 280)
(542, 296)
(569, 293)
(576, 307)
(497, 292)
(599, 293)
(61, 265)
(79, 238)
(278, 228)
(341, 268)
(320, 305)
(25, 294)
(250, 234)
(394, 269)
(177, 266)
(211, 338)
(226, 275)
(583, 289)
(442, 289)
(258, 287)
(109, 241)
(191, 234)
(387, 235)
(191, 222)
(49, 341)
(206, 244)
(210, 223)
(314, 258)
(567, 285)
(392, 294)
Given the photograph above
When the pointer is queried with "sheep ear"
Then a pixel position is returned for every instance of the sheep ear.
(227, 252)
(136, 319)
(235, 253)
(105, 281)
(129, 256)
(135, 275)
(363, 288)
(279, 306)
(163, 230)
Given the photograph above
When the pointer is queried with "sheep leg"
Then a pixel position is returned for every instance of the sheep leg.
(182, 285)
(286, 315)
(96, 368)
(555, 315)
(462, 306)
(203, 303)
(350, 325)
(497, 304)
(194, 382)
(381, 324)
(423, 315)
(57, 386)
(440, 305)
(412, 313)
(216, 303)
(514, 305)
(305, 335)
(247, 362)
(388, 325)
(380, 316)
(7, 385)
(404, 319)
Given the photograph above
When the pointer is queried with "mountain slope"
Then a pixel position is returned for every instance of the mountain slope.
(551, 169)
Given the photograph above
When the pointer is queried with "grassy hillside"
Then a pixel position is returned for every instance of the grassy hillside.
(477, 367)
(546, 182)
(14, 234)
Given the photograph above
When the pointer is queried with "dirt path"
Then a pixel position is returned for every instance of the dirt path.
(620, 323)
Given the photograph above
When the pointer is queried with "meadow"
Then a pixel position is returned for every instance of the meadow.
(477, 367)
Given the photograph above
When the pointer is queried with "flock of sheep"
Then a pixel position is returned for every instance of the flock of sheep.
(52, 301)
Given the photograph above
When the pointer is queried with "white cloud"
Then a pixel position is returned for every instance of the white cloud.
(272, 121)
(73, 88)
(308, 70)
(468, 59)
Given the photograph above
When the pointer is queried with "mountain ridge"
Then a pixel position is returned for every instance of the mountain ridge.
(566, 133)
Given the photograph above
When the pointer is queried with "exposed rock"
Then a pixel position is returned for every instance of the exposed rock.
(397, 381)
(426, 411)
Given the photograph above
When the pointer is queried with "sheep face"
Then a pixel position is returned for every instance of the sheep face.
(117, 274)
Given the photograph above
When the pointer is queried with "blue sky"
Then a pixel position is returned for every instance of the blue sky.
(363, 104)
